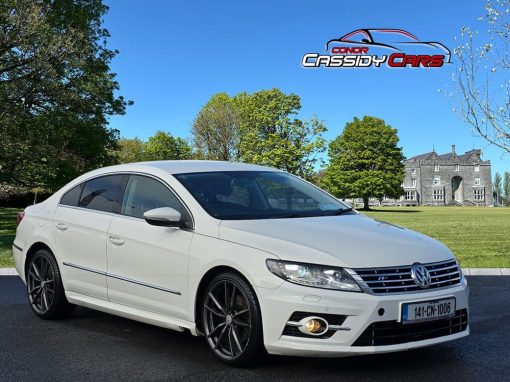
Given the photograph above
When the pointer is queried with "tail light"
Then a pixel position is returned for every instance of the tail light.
(20, 217)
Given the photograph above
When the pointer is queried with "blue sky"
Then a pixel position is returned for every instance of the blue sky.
(174, 55)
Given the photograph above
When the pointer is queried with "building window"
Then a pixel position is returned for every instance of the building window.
(410, 195)
(436, 167)
(479, 194)
(413, 182)
(457, 167)
(437, 180)
(477, 167)
(438, 194)
(478, 181)
(413, 171)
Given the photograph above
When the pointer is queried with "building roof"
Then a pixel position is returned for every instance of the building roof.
(432, 155)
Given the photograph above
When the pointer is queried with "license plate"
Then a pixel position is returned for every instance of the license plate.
(428, 310)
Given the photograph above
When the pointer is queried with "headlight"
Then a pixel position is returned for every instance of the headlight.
(317, 276)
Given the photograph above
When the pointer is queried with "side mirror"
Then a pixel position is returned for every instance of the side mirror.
(163, 217)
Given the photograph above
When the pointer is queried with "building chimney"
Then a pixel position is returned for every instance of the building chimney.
(453, 150)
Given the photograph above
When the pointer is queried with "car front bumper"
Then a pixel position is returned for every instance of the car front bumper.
(361, 310)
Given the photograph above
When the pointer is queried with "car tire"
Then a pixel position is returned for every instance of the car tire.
(44, 287)
(231, 321)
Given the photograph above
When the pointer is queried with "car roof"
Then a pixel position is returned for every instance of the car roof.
(189, 166)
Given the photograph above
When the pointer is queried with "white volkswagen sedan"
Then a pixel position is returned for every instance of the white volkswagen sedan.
(252, 258)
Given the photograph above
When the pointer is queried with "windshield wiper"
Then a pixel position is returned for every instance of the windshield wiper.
(342, 211)
(290, 216)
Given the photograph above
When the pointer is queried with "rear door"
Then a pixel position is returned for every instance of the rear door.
(148, 265)
(81, 226)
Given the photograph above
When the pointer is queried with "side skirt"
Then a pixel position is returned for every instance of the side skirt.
(131, 313)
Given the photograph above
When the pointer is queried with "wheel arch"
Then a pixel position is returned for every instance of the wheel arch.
(204, 282)
(32, 250)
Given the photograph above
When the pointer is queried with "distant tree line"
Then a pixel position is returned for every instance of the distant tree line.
(160, 146)
(502, 188)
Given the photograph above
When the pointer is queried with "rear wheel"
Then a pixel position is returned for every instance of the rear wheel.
(44, 287)
(231, 320)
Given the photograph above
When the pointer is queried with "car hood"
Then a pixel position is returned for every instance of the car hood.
(353, 240)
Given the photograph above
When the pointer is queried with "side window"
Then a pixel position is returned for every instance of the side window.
(101, 193)
(144, 194)
(72, 197)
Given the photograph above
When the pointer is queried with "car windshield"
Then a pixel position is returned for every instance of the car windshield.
(242, 195)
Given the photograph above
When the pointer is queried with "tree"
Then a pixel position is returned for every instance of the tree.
(365, 161)
(271, 135)
(498, 187)
(506, 187)
(56, 91)
(481, 83)
(215, 130)
(129, 150)
(163, 146)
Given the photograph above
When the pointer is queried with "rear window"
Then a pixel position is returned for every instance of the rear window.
(72, 197)
(102, 194)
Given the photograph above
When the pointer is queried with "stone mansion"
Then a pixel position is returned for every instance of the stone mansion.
(448, 179)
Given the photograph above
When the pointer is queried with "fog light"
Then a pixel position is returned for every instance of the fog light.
(314, 326)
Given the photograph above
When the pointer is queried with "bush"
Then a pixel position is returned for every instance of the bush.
(17, 197)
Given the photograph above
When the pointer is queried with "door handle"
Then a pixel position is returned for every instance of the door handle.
(61, 226)
(116, 240)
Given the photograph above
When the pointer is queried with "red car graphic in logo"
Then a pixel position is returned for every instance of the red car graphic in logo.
(375, 46)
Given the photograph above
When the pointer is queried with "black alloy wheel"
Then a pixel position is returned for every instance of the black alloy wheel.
(44, 287)
(231, 320)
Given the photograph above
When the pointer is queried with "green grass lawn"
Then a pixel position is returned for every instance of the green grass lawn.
(7, 232)
(479, 237)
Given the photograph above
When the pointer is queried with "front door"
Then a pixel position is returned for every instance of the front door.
(148, 265)
(457, 189)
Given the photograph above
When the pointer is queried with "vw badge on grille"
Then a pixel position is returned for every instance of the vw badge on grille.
(420, 275)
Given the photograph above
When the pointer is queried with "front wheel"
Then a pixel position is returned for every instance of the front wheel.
(44, 287)
(232, 322)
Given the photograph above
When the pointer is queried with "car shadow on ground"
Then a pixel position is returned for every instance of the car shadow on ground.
(169, 344)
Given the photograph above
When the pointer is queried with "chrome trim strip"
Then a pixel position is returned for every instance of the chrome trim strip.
(384, 274)
(17, 247)
(84, 268)
(339, 327)
(405, 266)
(121, 278)
(445, 274)
(440, 269)
(390, 281)
(143, 284)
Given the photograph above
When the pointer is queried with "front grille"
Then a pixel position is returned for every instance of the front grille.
(332, 319)
(393, 332)
(398, 279)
